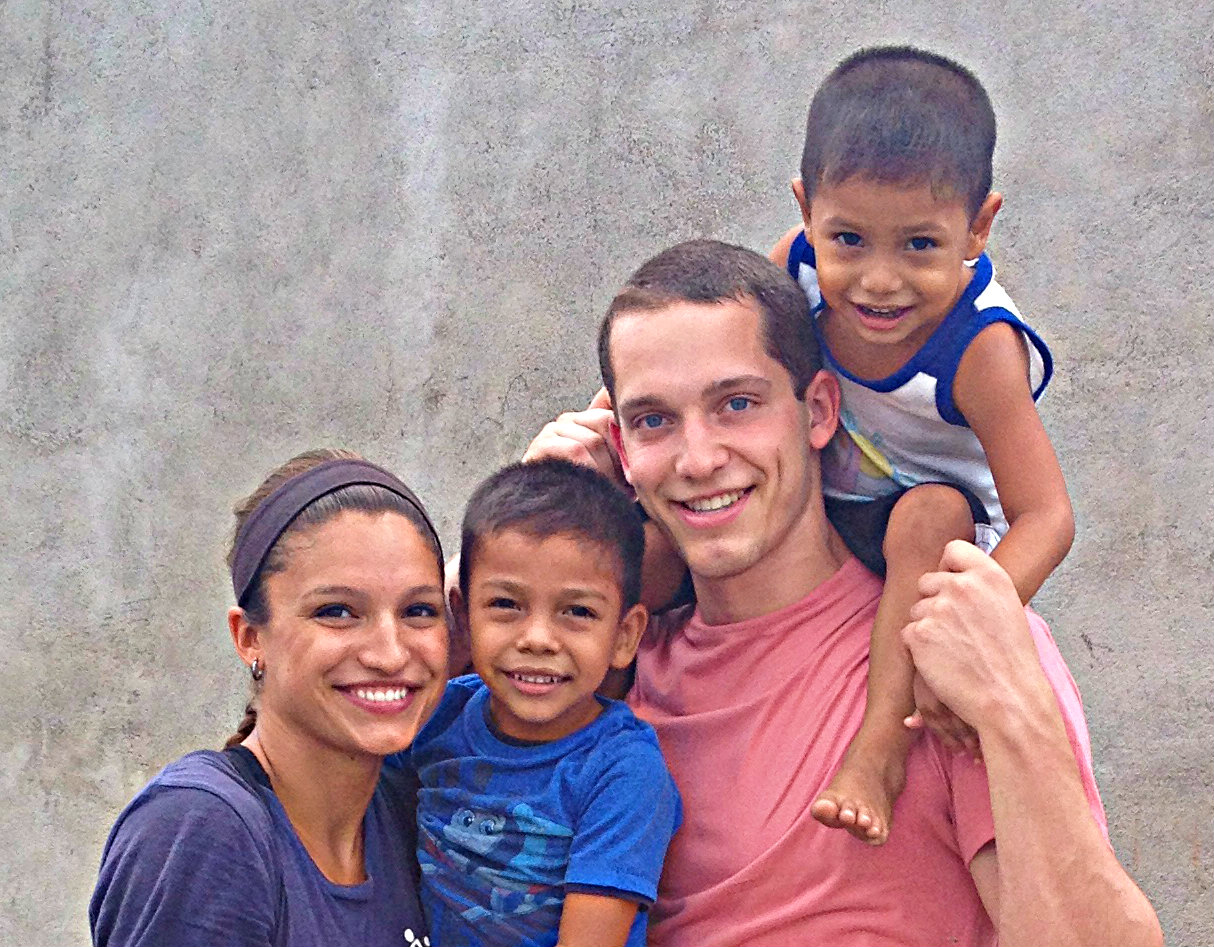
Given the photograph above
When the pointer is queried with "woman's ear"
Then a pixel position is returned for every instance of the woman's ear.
(245, 635)
(628, 636)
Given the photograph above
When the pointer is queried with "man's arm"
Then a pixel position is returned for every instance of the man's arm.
(1051, 877)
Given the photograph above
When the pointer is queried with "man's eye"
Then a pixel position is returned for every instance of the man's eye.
(848, 239)
(649, 421)
(333, 611)
(738, 403)
(421, 610)
(921, 243)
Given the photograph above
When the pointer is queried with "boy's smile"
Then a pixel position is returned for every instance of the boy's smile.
(546, 626)
(891, 265)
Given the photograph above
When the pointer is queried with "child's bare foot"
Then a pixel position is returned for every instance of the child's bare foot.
(861, 796)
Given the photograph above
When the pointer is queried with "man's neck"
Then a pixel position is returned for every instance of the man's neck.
(805, 558)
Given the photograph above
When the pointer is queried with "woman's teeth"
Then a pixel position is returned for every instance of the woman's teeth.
(378, 696)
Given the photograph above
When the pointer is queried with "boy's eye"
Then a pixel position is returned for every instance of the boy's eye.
(848, 239)
(921, 243)
(333, 610)
(581, 611)
(501, 601)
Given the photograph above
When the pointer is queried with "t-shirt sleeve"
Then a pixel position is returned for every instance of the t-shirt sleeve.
(971, 791)
(183, 867)
(632, 810)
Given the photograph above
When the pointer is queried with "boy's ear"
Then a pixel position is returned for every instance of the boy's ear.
(822, 400)
(798, 190)
(245, 635)
(617, 441)
(980, 226)
(628, 636)
(459, 640)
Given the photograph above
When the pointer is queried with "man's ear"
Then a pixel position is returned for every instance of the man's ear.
(798, 191)
(628, 636)
(822, 398)
(245, 635)
(980, 226)
(617, 441)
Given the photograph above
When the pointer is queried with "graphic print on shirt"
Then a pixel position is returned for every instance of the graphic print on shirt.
(855, 465)
(514, 862)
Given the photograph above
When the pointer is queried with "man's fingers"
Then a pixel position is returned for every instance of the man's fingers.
(580, 437)
(600, 400)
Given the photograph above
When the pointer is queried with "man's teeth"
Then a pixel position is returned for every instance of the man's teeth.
(379, 696)
(719, 502)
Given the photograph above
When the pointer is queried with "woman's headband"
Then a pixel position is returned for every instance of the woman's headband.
(274, 514)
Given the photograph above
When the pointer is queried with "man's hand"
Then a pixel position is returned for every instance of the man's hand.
(970, 640)
(931, 712)
(581, 437)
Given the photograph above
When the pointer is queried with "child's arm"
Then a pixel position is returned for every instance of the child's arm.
(595, 920)
(779, 253)
(991, 390)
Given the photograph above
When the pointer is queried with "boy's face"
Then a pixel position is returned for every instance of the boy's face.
(890, 258)
(546, 626)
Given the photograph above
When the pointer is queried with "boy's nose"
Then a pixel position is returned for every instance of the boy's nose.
(536, 637)
(880, 278)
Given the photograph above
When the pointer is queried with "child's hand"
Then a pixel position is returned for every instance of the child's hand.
(956, 735)
(581, 437)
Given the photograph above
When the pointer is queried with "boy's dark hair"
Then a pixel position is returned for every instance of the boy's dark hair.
(557, 498)
(900, 114)
(708, 271)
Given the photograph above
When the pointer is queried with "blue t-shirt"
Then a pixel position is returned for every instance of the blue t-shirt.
(202, 858)
(506, 829)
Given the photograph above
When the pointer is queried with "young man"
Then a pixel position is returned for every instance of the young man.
(722, 411)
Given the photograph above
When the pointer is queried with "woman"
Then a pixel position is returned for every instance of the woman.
(296, 833)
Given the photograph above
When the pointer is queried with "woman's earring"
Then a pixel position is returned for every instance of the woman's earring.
(257, 670)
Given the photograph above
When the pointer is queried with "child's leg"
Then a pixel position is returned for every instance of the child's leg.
(861, 796)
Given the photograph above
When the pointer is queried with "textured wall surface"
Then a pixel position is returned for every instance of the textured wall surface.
(232, 231)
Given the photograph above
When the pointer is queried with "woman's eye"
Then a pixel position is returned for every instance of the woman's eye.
(334, 611)
(848, 239)
(421, 610)
(921, 243)
(738, 403)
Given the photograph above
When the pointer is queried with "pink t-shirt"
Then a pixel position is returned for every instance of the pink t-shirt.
(754, 719)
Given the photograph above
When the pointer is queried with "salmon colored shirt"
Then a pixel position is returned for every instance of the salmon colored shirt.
(753, 719)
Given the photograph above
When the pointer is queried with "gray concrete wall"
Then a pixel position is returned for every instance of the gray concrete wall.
(232, 231)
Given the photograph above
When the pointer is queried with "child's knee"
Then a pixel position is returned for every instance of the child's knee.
(928, 517)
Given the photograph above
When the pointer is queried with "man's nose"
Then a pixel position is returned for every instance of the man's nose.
(701, 452)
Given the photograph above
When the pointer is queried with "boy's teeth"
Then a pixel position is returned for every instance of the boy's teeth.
(536, 678)
(720, 501)
(381, 695)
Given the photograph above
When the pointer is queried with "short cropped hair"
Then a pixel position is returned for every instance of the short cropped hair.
(552, 497)
(900, 114)
(708, 271)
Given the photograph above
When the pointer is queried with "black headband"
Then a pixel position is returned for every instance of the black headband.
(274, 514)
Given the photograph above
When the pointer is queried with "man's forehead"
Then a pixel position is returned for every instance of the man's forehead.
(667, 347)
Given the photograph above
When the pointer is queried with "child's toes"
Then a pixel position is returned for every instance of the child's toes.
(826, 810)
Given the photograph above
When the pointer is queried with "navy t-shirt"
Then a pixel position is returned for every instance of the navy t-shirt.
(201, 858)
(507, 829)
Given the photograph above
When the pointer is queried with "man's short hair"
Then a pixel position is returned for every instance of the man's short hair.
(708, 271)
(554, 497)
(899, 114)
